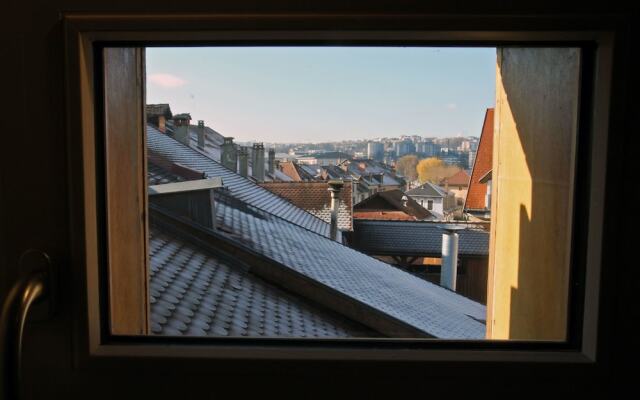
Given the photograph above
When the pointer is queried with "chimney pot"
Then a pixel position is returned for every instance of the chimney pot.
(181, 124)
(201, 134)
(272, 161)
(243, 156)
(335, 187)
(257, 165)
(229, 155)
(449, 268)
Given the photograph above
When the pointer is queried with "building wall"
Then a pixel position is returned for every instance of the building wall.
(460, 193)
(472, 282)
(534, 147)
(437, 203)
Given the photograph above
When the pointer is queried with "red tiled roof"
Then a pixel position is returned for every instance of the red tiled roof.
(484, 163)
(383, 215)
(288, 168)
(460, 178)
(391, 201)
(315, 198)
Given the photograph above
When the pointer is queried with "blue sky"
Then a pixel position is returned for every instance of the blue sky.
(313, 94)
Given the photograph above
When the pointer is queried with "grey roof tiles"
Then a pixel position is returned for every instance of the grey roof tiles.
(428, 190)
(414, 238)
(195, 293)
(242, 188)
(268, 226)
(412, 301)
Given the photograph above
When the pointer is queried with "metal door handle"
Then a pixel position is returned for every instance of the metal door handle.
(30, 287)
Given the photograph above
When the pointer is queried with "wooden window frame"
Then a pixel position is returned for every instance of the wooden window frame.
(83, 34)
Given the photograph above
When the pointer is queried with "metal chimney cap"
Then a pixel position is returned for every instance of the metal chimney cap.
(453, 227)
(336, 184)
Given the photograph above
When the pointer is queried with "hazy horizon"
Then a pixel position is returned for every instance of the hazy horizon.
(326, 94)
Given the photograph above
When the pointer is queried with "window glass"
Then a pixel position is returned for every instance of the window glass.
(286, 190)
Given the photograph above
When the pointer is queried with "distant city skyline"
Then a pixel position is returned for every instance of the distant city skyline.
(325, 94)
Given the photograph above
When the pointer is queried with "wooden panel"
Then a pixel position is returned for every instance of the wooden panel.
(126, 189)
(533, 168)
(472, 282)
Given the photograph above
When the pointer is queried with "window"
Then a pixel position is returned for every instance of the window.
(232, 282)
(190, 170)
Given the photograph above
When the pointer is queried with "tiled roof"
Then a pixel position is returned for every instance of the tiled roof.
(295, 171)
(369, 171)
(212, 139)
(330, 155)
(157, 175)
(383, 215)
(329, 269)
(244, 189)
(461, 178)
(279, 176)
(427, 190)
(195, 292)
(391, 200)
(315, 198)
(414, 238)
(483, 164)
(343, 272)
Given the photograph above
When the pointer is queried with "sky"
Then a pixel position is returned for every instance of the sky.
(320, 94)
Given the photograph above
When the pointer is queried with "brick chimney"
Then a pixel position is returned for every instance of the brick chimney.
(228, 155)
(243, 156)
(257, 166)
(335, 187)
(162, 124)
(181, 128)
(272, 161)
(201, 134)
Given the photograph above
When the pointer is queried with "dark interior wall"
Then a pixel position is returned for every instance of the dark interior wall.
(34, 199)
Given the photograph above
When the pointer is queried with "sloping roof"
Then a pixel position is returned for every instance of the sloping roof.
(212, 139)
(330, 155)
(461, 178)
(244, 189)
(334, 172)
(391, 200)
(383, 215)
(370, 171)
(315, 198)
(339, 272)
(361, 285)
(414, 238)
(279, 176)
(486, 177)
(199, 293)
(427, 190)
(483, 164)
(295, 171)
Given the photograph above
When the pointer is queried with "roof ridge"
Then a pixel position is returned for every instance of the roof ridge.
(240, 176)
